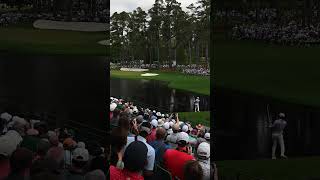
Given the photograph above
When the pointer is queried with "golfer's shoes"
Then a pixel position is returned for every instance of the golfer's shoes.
(274, 157)
(284, 157)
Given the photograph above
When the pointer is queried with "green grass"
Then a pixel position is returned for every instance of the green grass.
(287, 73)
(291, 169)
(196, 84)
(196, 117)
(24, 39)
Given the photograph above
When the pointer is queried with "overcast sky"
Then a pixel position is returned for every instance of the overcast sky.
(130, 5)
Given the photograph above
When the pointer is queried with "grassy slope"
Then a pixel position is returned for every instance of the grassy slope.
(27, 40)
(291, 169)
(288, 73)
(196, 117)
(181, 81)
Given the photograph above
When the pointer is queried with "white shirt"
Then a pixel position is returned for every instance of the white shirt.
(278, 126)
(150, 155)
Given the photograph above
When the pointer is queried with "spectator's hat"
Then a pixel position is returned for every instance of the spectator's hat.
(162, 115)
(145, 127)
(6, 116)
(81, 145)
(182, 136)
(171, 123)
(160, 122)
(69, 143)
(185, 128)
(154, 123)
(203, 150)
(135, 110)
(158, 114)
(113, 106)
(282, 115)
(32, 132)
(166, 125)
(20, 120)
(80, 154)
(169, 131)
(207, 136)
(135, 156)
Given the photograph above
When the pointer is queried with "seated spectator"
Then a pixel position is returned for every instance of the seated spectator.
(175, 159)
(144, 131)
(193, 170)
(20, 164)
(159, 146)
(135, 157)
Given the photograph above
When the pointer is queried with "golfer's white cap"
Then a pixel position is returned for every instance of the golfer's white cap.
(282, 115)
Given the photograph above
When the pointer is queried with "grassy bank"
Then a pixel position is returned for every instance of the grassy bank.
(196, 117)
(195, 84)
(288, 73)
(291, 169)
(24, 39)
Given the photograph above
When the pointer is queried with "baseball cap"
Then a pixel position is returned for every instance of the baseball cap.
(166, 125)
(160, 122)
(182, 136)
(282, 115)
(135, 156)
(80, 154)
(207, 136)
(203, 150)
(158, 114)
(185, 128)
(6, 116)
(154, 123)
(113, 106)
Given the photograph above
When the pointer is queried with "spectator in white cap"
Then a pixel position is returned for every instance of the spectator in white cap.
(203, 157)
(152, 136)
(80, 157)
(207, 137)
(278, 127)
(172, 138)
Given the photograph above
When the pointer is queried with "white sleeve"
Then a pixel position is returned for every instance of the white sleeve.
(150, 158)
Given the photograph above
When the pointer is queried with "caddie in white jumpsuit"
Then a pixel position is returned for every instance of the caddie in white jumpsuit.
(277, 135)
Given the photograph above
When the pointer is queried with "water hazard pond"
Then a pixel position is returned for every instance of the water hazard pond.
(156, 95)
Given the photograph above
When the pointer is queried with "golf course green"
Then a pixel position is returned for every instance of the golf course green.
(191, 83)
(24, 39)
(286, 73)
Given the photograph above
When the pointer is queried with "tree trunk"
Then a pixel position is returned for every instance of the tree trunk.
(190, 53)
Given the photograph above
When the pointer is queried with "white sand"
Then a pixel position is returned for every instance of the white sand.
(134, 69)
(149, 74)
(73, 26)
(104, 42)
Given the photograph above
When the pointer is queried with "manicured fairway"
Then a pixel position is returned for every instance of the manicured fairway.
(291, 169)
(27, 40)
(196, 84)
(287, 73)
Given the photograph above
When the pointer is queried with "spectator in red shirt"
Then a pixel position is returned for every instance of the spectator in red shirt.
(135, 158)
(175, 159)
(152, 136)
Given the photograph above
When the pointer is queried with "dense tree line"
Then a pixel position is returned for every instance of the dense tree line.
(163, 34)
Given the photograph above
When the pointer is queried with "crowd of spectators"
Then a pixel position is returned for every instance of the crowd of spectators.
(192, 69)
(30, 150)
(284, 27)
(12, 18)
(146, 144)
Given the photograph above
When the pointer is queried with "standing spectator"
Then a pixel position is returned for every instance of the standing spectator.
(203, 157)
(144, 131)
(175, 159)
(159, 146)
(134, 159)
(152, 136)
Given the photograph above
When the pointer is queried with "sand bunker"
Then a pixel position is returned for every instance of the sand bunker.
(149, 74)
(72, 26)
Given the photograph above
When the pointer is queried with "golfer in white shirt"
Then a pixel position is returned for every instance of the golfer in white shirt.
(277, 135)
